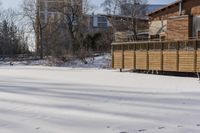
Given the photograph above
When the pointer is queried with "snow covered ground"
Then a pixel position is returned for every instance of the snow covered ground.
(35, 99)
(101, 61)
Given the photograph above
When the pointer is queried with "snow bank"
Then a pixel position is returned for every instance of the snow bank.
(103, 61)
(67, 100)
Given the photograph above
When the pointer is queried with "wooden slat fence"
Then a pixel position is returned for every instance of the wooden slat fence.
(175, 56)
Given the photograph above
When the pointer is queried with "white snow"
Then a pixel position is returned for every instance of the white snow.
(101, 61)
(36, 99)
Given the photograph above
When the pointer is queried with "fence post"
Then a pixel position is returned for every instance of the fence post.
(122, 56)
(177, 54)
(112, 53)
(147, 49)
(134, 58)
(161, 56)
(195, 56)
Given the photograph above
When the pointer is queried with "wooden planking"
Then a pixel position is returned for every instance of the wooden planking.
(186, 61)
(198, 61)
(129, 59)
(178, 28)
(183, 60)
(170, 60)
(141, 60)
(155, 60)
(117, 59)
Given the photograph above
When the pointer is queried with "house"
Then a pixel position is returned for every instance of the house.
(129, 14)
(125, 30)
(179, 20)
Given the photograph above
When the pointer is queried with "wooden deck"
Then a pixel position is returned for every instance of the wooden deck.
(158, 56)
(170, 61)
(129, 57)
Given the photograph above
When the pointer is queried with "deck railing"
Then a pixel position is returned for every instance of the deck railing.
(176, 56)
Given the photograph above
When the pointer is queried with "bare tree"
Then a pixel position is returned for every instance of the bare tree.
(111, 7)
(68, 25)
(126, 15)
(135, 10)
(75, 21)
(31, 15)
(70, 20)
(88, 7)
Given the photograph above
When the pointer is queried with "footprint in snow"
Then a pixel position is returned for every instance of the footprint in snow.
(3, 125)
(160, 128)
(142, 130)
(198, 125)
(179, 126)
(37, 128)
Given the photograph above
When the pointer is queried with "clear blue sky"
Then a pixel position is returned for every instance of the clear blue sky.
(15, 3)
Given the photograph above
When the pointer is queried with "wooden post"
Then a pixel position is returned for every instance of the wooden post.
(122, 56)
(134, 59)
(112, 53)
(161, 58)
(177, 55)
(147, 49)
(195, 56)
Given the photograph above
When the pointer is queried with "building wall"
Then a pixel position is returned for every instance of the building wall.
(174, 11)
(181, 24)
(157, 27)
(52, 8)
(48, 12)
(99, 21)
(195, 10)
(178, 28)
(190, 7)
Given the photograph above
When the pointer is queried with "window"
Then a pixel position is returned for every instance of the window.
(102, 25)
(102, 22)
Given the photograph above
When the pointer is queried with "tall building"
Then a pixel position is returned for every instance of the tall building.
(50, 10)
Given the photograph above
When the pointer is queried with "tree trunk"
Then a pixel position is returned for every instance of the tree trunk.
(41, 43)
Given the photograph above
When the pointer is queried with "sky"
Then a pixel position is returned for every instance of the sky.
(15, 3)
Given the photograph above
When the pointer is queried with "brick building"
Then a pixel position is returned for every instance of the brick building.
(177, 21)
(50, 11)
(52, 8)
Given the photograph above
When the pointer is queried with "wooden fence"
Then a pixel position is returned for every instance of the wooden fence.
(175, 56)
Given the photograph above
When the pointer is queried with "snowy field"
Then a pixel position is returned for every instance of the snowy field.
(101, 61)
(36, 99)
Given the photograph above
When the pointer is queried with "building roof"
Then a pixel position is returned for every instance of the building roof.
(153, 7)
(166, 7)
